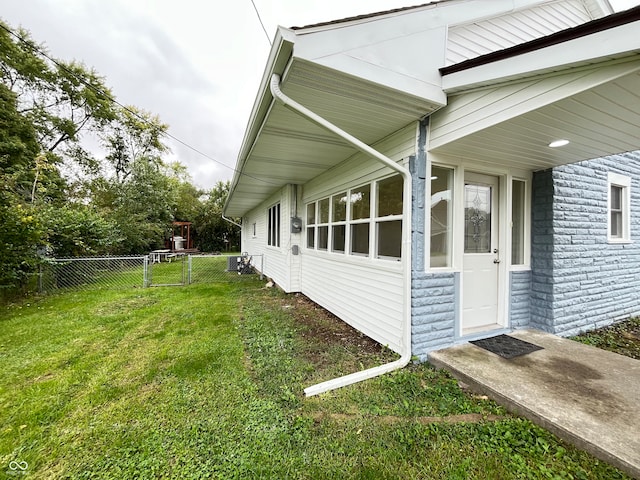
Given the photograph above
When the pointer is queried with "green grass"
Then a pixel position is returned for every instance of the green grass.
(206, 381)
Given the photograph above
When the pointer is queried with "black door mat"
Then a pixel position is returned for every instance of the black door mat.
(506, 346)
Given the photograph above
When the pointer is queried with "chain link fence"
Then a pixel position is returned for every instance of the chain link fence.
(170, 269)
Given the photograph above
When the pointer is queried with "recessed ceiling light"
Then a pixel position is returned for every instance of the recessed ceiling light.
(559, 143)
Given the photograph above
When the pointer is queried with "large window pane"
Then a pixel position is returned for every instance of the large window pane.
(389, 238)
(339, 207)
(390, 196)
(441, 216)
(338, 233)
(311, 237)
(311, 214)
(517, 222)
(323, 211)
(323, 236)
(360, 202)
(360, 239)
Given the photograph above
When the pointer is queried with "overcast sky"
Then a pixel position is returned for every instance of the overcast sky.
(195, 63)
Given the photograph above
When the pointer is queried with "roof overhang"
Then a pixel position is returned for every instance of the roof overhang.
(585, 89)
(280, 147)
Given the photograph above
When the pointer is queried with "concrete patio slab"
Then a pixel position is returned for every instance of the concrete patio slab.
(585, 395)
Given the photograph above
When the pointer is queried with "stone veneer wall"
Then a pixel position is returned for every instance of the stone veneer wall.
(581, 281)
(519, 306)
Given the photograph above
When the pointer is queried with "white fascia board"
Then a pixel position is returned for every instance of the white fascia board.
(608, 44)
(406, 62)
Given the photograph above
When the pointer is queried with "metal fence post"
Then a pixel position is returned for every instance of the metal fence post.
(189, 270)
(261, 266)
(145, 270)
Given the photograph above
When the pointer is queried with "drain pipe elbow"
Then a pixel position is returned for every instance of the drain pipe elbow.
(231, 221)
(405, 345)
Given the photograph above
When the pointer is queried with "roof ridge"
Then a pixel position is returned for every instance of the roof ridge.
(369, 15)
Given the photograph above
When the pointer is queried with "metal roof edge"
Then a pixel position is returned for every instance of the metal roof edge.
(279, 57)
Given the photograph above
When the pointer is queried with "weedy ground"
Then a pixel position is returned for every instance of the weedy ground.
(206, 381)
(622, 338)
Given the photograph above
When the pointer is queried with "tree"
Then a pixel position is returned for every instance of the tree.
(213, 232)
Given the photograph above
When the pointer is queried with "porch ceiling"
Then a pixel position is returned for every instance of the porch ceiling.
(600, 121)
(289, 149)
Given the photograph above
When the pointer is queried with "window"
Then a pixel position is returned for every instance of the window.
(273, 226)
(441, 216)
(338, 222)
(619, 203)
(344, 222)
(518, 205)
(389, 217)
(360, 213)
(323, 224)
(311, 229)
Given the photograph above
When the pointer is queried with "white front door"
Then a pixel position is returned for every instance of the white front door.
(480, 262)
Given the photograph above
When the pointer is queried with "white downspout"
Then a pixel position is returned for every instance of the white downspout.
(230, 221)
(406, 243)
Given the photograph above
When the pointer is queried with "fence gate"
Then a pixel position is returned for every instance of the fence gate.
(170, 272)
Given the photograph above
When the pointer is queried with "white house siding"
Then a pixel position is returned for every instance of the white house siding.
(497, 33)
(277, 261)
(364, 292)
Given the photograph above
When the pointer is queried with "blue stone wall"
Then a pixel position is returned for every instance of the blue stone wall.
(594, 282)
(519, 306)
(542, 235)
(433, 306)
(433, 296)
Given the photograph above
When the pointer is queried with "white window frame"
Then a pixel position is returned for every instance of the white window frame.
(273, 225)
(624, 183)
(373, 220)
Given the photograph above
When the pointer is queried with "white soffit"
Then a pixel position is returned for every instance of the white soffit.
(600, 121)
(290, 149)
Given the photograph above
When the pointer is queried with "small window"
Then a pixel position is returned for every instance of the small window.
(273, 226)
(323, 224)
(311, 222)
(619, 202)
(338, 222)
(360, 205)
(517, 222)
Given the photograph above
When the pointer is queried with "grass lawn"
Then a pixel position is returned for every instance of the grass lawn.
(206, 381)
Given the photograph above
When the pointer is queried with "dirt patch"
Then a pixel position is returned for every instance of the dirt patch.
(622, 338)
(326, 335)
(393, 419)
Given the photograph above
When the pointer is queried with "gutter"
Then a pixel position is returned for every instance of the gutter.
(405, 342)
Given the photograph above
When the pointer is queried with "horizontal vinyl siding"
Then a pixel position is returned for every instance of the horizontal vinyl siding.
(366, 298)
(490, 35)
(364, 292)
(275, 260)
